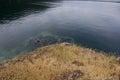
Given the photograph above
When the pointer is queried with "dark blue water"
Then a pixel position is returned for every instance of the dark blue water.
(88, 23)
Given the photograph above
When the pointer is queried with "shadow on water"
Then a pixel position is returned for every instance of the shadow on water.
(6, 3)
(14, 9)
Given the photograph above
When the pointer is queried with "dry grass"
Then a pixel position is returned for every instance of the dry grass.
(52, 62)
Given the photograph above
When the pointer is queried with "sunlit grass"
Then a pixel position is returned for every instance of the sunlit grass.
(50, 62)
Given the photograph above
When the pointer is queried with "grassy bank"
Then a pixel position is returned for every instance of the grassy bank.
(61, 62)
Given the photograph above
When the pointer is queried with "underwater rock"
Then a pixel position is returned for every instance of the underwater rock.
(66, 39)
(44, 41)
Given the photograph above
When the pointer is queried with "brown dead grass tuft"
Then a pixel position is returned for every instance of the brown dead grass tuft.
(48, 63)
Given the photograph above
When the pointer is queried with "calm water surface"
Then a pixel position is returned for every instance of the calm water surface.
(91, 24)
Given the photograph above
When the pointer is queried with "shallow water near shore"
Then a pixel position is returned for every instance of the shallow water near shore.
(88, 23)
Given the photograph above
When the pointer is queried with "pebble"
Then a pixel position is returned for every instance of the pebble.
(118, 60)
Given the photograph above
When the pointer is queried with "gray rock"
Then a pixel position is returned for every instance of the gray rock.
(72, 76)
(2, 66)
(118, 60)
(77, 63)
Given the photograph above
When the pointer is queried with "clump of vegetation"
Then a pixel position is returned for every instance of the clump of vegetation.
(61, 62)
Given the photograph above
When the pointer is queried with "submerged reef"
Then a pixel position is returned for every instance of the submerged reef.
(41, 41)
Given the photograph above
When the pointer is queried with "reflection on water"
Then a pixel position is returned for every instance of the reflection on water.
(92, 24)
(16, 12)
